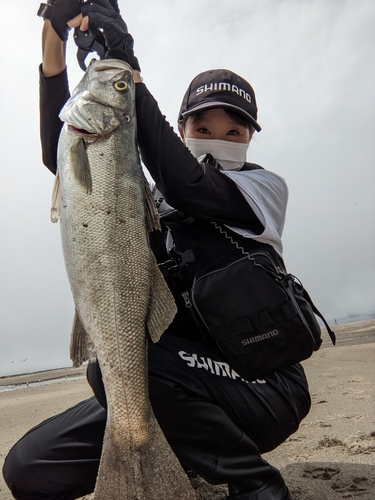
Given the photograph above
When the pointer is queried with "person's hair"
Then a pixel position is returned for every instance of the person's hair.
(236, 117)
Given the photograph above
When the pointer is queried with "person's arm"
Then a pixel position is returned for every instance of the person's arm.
(59, 17)
(53, 93)
(53, 51)
(202, 191)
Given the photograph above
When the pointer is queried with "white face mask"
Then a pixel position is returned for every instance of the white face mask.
(230, 155)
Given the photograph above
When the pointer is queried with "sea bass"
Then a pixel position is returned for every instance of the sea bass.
(117, 287)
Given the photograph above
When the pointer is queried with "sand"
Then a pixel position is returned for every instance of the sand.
(331, 456)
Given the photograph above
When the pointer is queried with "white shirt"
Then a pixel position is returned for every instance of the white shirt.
(267, 194)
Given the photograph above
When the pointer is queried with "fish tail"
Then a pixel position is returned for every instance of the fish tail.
(164, 475)
(149, 471)
(162, 307)
(55, 207)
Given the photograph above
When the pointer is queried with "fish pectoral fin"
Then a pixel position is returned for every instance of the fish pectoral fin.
(55, 207)
(80, 164)
(162, 308)
(79, 343)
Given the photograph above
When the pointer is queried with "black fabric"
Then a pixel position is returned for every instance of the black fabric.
(53, 94)
(216, 423)
(195, 245)
(102, 14)
(275, 489)
(235, 292)
(255, 312)
(94, 378)
(59, 12)
(59, 458)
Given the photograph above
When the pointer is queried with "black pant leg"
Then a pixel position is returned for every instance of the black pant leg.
(217, 424)
(59, 458)
(215, 421)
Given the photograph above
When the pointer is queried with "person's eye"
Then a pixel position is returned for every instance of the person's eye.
(233, 132)
(203, 130)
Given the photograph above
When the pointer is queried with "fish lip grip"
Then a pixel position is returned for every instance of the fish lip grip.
(88, 41)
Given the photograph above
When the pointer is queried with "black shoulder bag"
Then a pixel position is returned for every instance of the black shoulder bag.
(259, 315)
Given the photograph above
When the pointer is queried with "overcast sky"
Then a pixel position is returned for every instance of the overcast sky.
(311, 63)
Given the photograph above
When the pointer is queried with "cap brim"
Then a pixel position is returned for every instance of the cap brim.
(219, 104)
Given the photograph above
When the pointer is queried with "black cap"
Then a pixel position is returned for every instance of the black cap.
(220, 88)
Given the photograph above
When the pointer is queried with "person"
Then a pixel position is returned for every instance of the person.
(217, 423)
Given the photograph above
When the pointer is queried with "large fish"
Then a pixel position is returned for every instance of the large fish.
(105, 213)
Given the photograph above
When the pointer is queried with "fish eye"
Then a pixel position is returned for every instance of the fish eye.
(121, 86)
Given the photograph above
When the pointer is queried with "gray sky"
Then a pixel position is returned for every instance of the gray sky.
(311, 63)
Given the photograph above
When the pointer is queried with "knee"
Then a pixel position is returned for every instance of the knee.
(24, 471)
(18, 475)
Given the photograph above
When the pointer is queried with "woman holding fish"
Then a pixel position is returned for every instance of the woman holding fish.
(217, 423)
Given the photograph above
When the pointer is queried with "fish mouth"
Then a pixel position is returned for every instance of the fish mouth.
(81, 131)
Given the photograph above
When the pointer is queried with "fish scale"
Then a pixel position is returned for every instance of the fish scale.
(116, 284)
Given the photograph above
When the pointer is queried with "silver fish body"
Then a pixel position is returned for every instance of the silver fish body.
(117, 288)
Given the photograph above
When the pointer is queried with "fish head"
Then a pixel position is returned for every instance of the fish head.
(102, 101)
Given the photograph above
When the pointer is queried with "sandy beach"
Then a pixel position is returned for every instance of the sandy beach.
(331, 456)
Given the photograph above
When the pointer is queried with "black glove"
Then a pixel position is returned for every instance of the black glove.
(105, 14)
(59, 12)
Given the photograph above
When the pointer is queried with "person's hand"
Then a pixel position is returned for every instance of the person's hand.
(59, 12)
(105, 14)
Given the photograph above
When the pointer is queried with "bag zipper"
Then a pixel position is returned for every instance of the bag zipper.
(186, 297)
(193, 313)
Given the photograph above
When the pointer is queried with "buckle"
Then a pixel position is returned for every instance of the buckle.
(44, 11)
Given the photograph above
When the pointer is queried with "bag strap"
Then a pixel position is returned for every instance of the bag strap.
(331, 333)
(279, 271)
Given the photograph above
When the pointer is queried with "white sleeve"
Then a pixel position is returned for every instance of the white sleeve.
(267, 194)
